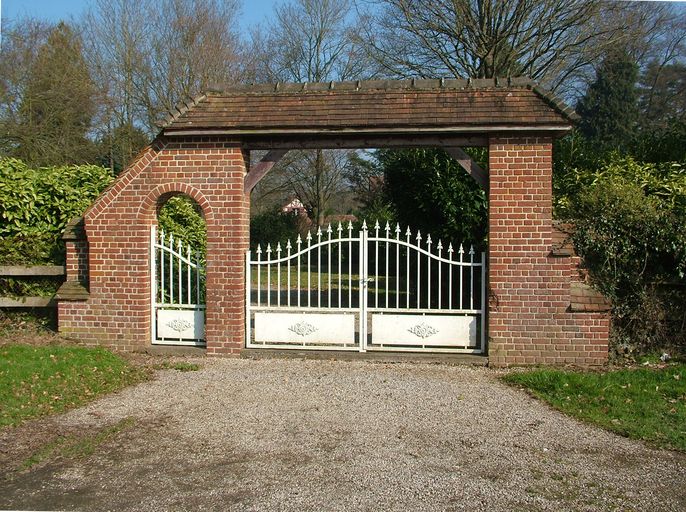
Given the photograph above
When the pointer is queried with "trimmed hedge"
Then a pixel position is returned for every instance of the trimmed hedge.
(37, 204)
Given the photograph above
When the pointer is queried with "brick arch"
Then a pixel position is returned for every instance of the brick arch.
(148, 207)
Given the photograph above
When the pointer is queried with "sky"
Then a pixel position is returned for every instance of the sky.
(254, 11)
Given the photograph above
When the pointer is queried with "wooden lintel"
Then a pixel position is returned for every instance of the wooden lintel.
(469, 165)
(261, 168)
(363, 141)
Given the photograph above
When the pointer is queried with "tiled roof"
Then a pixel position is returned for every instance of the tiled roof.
(372, 106)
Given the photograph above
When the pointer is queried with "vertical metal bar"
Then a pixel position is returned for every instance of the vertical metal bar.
(259, 274)
(471, 278)
(428, 273)
(419, 271)
(309, 271)
(248, 341)
(180, 270)
(440, 275)
(197, 279)
(450, 276)
(288, 291)
(153, 285)
(269, 275)
(408, 234)
(376, 265)
(397, 266)
(328, 265)
(461, 252)
(350, 264)
(189, 288)
(387, 249)
(171, 269)
(340, 256)
(363, 290)
(160, 255)
(278, 274)
(319, 267)
(484, 302)
(299, 242)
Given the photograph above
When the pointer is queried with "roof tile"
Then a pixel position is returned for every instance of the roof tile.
(373, 104)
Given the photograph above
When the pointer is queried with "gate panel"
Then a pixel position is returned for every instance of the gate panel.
(423, 330)
(306, 294)
(305, 328)
(177, 292)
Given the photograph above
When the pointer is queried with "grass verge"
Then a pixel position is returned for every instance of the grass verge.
(643, 403)
(40, 380)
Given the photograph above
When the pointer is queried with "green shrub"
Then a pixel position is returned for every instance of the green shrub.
(37, 204)
(272, 227)
(579, 164)
(182, 217)
(631, 232)
(430, 192)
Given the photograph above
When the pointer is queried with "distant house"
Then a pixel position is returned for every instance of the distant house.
(295, 207)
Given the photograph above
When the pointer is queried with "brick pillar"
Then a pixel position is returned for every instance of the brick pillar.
(228, 239)
(530, 321)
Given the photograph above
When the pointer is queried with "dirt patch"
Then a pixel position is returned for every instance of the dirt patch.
(328, 435)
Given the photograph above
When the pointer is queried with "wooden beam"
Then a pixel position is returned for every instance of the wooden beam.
(361, 141)
(261, 168)
(469, 165)
(37, 271)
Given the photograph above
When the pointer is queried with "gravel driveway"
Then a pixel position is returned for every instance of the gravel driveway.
(330, 435)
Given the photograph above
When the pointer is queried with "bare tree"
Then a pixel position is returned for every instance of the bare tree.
(150, 55)
(116, 35)
(22, 40)
(309, 41)
(194, 44)
(552, 41)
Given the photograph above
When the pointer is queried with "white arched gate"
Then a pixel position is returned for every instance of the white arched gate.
(384, 290)
(177, 292)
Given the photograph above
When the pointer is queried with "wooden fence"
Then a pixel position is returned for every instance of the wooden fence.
(30, 272)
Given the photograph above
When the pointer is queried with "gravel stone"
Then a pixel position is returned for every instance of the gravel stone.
(283, 434)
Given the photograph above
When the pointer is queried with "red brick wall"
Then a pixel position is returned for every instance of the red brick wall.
(77, 261)
(529, 319)
(117, 312)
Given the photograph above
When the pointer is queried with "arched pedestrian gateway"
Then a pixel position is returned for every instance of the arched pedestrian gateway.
(538, 311)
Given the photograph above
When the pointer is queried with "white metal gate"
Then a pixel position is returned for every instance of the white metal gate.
(177, 292)
(379, 290)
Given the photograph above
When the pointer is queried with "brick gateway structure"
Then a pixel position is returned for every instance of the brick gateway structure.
(538, 311)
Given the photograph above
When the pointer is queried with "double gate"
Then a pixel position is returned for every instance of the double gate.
(383, 289)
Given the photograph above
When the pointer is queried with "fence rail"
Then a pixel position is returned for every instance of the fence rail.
(37, 271)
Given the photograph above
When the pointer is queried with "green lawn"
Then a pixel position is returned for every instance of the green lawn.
(643, 403)
(40, 380)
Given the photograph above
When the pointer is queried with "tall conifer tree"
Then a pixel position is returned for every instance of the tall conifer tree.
(609, 110)
(58, 105)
